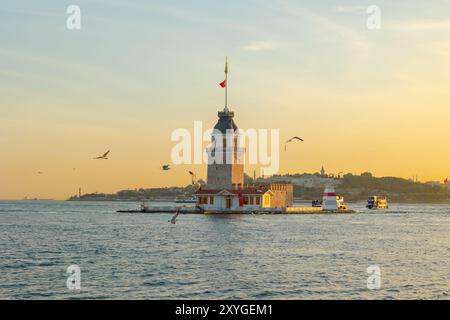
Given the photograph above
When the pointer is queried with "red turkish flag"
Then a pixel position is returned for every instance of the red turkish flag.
(223, 84)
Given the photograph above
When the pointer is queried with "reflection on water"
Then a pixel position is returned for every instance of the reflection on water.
(143, 256)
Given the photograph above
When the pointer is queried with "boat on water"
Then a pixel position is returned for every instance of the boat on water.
(341, 203)
(377, 202)
(317, 203)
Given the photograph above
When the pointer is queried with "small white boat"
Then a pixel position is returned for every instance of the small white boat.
(341, 203)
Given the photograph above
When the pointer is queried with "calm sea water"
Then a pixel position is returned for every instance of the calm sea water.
(143, 256)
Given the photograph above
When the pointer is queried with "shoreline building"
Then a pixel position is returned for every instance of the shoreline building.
(225, 189)
(306, 180)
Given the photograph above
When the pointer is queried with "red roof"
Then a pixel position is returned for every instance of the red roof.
(232, 191)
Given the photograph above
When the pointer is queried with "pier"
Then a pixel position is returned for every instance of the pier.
(278, 211)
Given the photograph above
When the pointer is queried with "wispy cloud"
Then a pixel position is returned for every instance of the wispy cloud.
(260, 46)
(350, 9)
(352, 37)
(441, 48)
(424, 25)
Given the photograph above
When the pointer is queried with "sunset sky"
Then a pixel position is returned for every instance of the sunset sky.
(363, 100)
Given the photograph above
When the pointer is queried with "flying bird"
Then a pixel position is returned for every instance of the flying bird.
(104, 156)
(294, 138)
(194, 177)
(166, 167)
(291, 140)
(174, 218)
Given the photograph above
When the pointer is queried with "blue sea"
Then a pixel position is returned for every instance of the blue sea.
(143, 256)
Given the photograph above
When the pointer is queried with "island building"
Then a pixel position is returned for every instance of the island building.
(306, 180)
(225, 189)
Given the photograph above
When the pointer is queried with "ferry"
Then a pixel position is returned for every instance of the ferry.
(377, 202)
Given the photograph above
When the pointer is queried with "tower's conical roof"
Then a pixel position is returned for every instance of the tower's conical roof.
(225, 122)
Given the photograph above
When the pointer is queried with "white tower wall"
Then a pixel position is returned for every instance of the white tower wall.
(329, 199)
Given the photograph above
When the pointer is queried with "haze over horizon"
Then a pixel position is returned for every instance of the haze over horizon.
(363, 100)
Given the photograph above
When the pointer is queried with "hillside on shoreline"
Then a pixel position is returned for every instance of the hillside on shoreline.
(358, 188)
(352, 187)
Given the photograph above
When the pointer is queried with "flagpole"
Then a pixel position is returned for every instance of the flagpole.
(226, 83)
(226, 89)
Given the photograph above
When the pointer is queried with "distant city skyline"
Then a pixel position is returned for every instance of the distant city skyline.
(364, 100)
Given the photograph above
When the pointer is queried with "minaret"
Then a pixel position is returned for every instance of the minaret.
(225, 168)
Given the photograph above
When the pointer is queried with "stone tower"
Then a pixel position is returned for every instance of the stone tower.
(225, 167)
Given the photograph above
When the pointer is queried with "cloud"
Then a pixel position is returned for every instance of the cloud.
(424, 25)
(354, 38)
(260, 46)
(441, 48)
(350, 9)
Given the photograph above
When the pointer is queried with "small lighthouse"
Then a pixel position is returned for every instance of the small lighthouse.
(329, 199)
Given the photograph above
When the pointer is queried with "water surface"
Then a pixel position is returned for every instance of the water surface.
(143, 256)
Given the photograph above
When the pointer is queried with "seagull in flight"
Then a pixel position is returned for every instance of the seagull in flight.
(174, 218)
(295, 138)
(104, 156)
(291, 140)
(194, 177)
(166, 167)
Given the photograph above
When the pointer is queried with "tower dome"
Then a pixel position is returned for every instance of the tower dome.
(225, 122)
